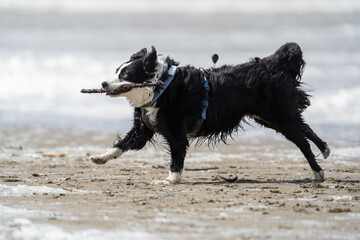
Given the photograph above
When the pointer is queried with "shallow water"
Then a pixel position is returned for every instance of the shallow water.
(49, 51)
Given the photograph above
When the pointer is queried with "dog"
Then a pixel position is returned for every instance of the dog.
(209, 104)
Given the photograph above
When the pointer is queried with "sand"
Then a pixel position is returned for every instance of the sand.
(256, 188)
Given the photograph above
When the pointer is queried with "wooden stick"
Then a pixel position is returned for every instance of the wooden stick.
(123, 88)
(93, 91)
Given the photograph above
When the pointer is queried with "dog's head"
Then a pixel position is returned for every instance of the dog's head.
(142, 67)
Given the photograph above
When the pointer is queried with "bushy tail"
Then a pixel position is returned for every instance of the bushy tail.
(289, 59)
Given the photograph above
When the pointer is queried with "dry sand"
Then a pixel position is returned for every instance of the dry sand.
(270, 193)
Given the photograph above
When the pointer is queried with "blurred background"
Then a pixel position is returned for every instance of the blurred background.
(49, 50)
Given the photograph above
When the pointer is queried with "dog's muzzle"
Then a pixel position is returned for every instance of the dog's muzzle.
(104, 85)
(116, 89)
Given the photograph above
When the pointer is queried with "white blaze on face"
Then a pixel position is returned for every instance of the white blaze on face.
(116, 82)
(137, 96)
(119, 70)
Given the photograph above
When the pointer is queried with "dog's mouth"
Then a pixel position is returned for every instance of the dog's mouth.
(120, 90)
(123, 88)
(128, 87)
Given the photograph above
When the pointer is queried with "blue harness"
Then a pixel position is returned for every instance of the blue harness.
(160, 90)
(205, 102)
(171, 74)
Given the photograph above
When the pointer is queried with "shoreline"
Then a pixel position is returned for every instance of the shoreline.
(274, 195)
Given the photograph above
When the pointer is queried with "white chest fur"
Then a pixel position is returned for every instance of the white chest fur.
(151, 114)
(139, 96)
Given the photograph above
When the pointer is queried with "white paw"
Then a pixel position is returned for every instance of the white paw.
(99, 159)
(173, 178)
(326, 152)
(160, 182)
(319, 176)
(105, 157)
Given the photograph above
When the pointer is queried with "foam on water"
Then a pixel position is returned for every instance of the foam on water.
(74, 152)
(32, 231)
(68, 47)
(341, 106)
(26, 190)
(14, 213)
(179, 6)
(51, 85)
(347, 152)
(347, 217)
(342, 198)
(314, 223)
(20, 223)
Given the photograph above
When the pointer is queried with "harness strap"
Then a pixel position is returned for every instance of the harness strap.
(205, 104)
(160, 90)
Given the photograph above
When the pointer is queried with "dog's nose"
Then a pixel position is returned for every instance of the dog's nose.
(104, 84)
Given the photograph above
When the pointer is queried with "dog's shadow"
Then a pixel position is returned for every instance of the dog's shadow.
(252, 181)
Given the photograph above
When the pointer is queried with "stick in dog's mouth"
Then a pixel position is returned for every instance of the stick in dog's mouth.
(124, 88)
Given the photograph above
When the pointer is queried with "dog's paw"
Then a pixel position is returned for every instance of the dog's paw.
(99, 159)
(326, 152)
(160, 182)
(105, 157)
(319, 176)
(173, 178)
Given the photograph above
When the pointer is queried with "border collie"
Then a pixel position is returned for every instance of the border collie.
(209, 104)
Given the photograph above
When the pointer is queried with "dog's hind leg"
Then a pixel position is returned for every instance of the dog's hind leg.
(323, 147)
(296, 135)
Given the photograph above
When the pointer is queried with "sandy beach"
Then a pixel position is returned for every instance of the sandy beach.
(257, 188)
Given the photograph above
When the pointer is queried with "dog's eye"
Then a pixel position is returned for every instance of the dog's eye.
(123, 75)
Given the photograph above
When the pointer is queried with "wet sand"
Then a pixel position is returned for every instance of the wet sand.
(257, 188)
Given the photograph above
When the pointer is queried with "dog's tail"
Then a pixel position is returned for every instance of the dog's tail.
(289, 58)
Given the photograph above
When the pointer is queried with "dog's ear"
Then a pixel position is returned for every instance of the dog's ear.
(150, 59)
(139, 54)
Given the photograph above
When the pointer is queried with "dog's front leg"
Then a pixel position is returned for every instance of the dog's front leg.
(136, 139)
(178, 144)
(173, 178)
(105, 157)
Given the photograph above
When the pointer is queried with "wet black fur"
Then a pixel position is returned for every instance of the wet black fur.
(267, 90)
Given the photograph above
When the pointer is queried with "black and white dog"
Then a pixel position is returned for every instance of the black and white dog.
(210, 104)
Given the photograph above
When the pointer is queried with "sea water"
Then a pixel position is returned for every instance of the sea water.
(49, 50)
